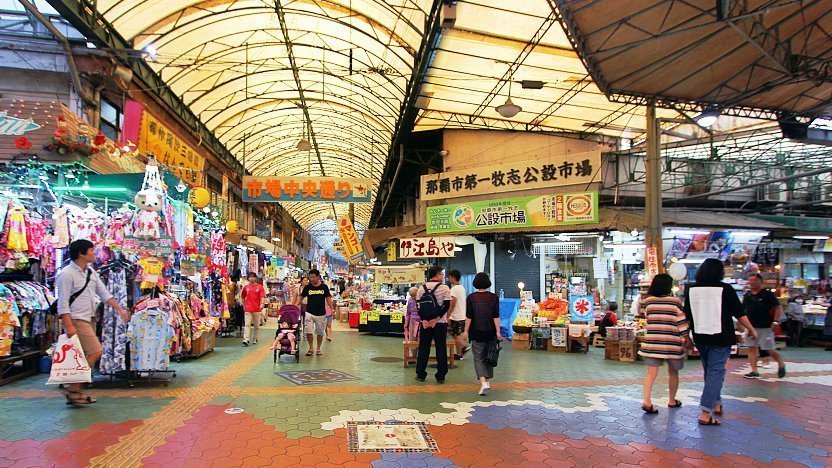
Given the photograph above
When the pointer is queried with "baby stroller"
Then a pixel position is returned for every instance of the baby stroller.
(293, 316)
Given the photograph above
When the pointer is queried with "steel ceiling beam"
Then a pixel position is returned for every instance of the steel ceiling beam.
(83, 16)
(409, 112)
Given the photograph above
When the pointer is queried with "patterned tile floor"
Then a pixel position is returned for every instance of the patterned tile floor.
(545, 409)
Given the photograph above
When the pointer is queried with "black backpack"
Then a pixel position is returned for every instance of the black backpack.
(428, 306)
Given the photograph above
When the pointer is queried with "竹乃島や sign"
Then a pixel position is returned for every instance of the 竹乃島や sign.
(426, 247)
(306, 189)
(569, 169)
(506, 213)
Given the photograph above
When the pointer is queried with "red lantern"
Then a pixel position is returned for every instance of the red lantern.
(100, 139)
(22, 143)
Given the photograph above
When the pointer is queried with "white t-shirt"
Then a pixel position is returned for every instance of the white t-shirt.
(461, 305)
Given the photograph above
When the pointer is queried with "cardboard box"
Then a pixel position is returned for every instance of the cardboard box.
(557, 349)
(621, 350)
(520, 344)
(521, 337)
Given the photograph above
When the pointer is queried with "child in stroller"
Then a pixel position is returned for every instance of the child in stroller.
(289, 329)
(285, 334)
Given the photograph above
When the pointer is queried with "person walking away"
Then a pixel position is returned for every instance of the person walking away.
(77, 286)
(303, 282)
(456, 322)
(482, 326)
(318, 296)
(434, 300)
(254, 300)
(762, 309)
(411, 319)
(795, 319)
(608, 320)
(665, 340)
(827, 324)
(710, 305)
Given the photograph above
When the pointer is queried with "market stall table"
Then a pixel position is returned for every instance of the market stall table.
(385, 323)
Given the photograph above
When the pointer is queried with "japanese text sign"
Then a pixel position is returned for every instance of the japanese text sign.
(306, 189)
(581, 168)
(426, 247)
(160, 247)
(398, 275)
(352, 246)
(170, 150)
(581, 308)
(507, 213)
(391, 251)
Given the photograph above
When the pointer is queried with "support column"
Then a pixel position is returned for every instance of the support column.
(542, 257)
(491, 268)
(653, 192)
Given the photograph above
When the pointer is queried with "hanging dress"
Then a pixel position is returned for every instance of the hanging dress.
(113, 327)
(17, 230)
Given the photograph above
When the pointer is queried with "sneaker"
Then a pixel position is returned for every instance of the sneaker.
(781, 372)
(420, 379)
(484, 388)
(752, 375)
(255, 341)
(245, 343)
(440, 381)
(465, 350)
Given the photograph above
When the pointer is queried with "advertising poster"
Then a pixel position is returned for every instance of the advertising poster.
(507, 213)
(581, 308)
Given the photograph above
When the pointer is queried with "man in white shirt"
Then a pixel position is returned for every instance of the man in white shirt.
(456, 322)
(77, 286)
(434, 331)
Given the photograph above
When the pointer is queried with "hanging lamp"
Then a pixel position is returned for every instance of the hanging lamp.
(508, 109)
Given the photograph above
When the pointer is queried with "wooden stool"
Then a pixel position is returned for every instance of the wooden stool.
(598, 341)
(408, 345)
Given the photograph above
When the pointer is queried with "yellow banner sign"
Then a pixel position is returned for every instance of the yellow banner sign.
(352, 246)
(306, 189)
(569, 169)
(391, 251)
(170, 150)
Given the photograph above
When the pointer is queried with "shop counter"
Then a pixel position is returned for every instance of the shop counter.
(384, 324)
(509, 308)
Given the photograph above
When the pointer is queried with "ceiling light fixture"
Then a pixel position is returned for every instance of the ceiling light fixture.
(707, 117)
(508, 109)
(151, 50)
(304, 145)
(811, 237)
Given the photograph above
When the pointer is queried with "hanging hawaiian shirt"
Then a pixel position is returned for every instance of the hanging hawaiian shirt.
(151, 337)
(8, 322)
(113, 327)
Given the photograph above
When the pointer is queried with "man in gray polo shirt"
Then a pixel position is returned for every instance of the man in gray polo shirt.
(79, 317)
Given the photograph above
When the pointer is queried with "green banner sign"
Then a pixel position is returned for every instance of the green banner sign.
(508, 213)
(800, 222)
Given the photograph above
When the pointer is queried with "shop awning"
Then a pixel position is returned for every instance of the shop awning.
(377, 237)
(716, 219)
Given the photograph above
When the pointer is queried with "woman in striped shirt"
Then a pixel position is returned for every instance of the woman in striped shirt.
(666, 338)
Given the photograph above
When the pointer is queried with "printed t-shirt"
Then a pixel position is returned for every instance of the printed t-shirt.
(316, 298)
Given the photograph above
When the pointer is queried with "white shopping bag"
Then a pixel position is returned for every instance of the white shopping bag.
(69, 365)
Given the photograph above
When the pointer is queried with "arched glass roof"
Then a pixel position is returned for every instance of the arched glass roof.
(345, 64)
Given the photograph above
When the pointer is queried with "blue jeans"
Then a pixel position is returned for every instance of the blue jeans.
(714, 359)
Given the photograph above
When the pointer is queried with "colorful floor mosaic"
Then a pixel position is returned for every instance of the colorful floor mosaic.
(545, 409)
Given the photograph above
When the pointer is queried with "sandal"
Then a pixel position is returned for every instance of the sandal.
(90, 399)
(718, 412)
(710, 422)
(76, 398)
(319, 353)
(676, 404)
(651, 410)
(309, 353)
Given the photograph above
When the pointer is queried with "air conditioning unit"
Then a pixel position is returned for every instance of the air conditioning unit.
(771, 193)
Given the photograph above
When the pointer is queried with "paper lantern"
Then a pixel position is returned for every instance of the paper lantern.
(199, 197)
(677, 271)
(232, 226)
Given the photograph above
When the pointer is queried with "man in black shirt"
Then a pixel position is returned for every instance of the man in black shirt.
(763, 309)
(317, 297)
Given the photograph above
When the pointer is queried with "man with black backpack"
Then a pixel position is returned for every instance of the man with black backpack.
(433, 300)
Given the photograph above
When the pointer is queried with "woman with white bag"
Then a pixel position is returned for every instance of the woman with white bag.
(77, 286)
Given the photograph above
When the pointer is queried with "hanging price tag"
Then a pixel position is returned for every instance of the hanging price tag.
(362, 318)
(396, 318)
(373, 316)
